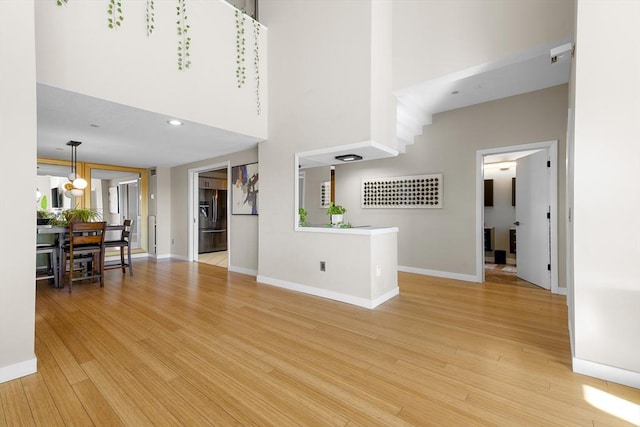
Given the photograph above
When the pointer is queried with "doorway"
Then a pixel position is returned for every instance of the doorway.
(209, 223)
(533, 257)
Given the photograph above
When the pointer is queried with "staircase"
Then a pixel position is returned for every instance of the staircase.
(411, 118)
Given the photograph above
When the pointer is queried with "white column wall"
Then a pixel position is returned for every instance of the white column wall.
(606, 191)
(383, 102)
(320, 81)
(18, 139)
(164, 199)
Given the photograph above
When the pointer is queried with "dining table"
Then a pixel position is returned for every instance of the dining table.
(60, 231)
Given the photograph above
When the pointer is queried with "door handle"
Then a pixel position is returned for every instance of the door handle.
(516, 223)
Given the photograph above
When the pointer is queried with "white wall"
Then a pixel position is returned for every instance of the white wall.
(570, 159)
(606, 191)
(437, 37)
(18, 137)
(444, 240)
(163, 202)
(79, 53)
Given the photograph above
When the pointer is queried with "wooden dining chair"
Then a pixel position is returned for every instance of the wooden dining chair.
(85, 248)
(123, 242)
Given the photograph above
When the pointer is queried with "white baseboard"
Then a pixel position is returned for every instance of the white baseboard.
(140, 255)
(435, 273)
(133, 256)
(242, 270)
(607, 373)
(324, 293)
(386, 296)
(17, 370)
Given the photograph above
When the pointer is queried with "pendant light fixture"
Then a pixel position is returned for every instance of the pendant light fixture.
(76, 185)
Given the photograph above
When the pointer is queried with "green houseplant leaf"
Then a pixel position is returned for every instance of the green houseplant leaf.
(336, 209)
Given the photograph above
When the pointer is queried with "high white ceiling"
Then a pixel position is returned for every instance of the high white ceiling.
(117, 134)
(516, 74)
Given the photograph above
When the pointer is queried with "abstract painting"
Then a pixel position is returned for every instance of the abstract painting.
(244, 189)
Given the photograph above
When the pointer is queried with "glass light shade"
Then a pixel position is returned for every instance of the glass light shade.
(76, 192)
(71, 176)
(80, 183)
(68, 186)
(67, 193)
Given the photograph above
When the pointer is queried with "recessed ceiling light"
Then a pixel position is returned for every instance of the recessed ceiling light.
(174, 122)
(93, 125)
(455, 92)
(349, 157)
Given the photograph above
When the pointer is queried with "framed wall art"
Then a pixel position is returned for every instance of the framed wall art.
(416, 191)
(244, 189)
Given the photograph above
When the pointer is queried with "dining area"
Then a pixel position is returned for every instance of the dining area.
(90, 218)
(81, 251)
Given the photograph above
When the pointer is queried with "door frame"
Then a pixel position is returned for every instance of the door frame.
(552, 149)
(192, 218)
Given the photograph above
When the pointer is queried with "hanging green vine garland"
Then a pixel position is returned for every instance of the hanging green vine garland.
(184, 41)
(240, 48)
(256, 61)
(115, 13)
(150, 17)
(61, 2)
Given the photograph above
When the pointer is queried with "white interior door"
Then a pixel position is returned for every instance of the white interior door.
(532, 224)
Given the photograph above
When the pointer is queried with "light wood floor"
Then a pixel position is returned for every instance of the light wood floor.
(195, 345)
(214, 258)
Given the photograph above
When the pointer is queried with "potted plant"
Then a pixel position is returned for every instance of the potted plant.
(336, 213)
(302, 217)
(77, 215)
(44, 217)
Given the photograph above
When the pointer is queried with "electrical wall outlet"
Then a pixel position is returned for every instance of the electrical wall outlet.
(323, 266)
(378, 270)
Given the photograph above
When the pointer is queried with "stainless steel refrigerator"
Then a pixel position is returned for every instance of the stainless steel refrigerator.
(212, 223)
